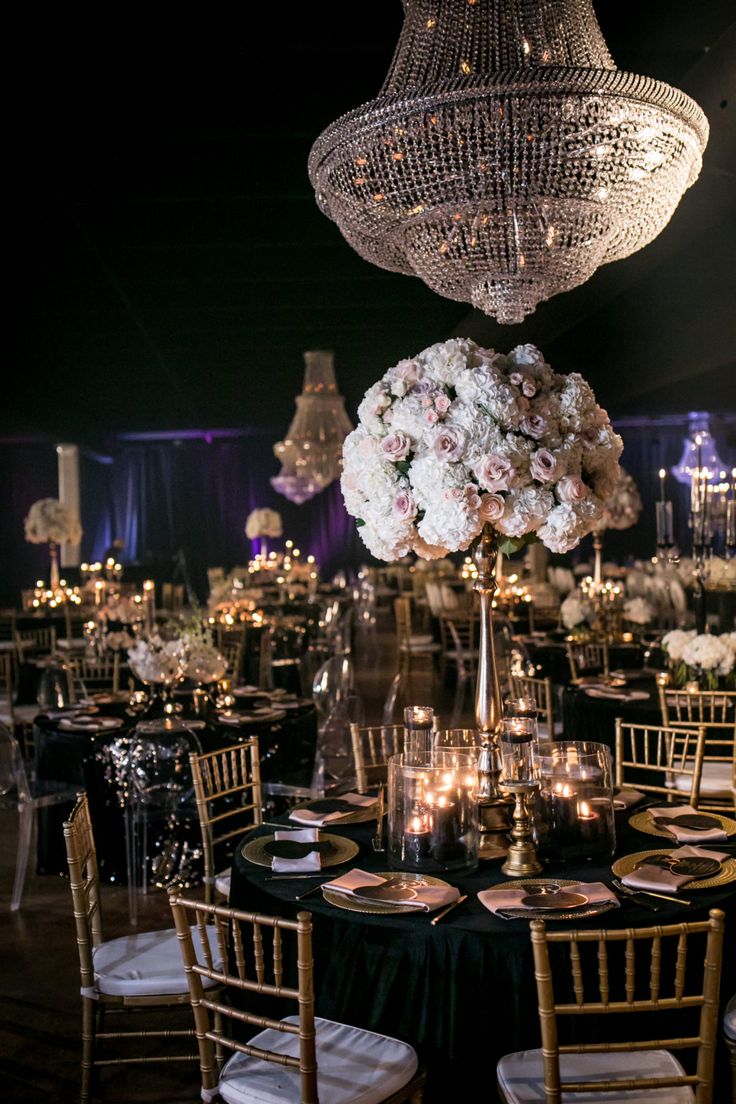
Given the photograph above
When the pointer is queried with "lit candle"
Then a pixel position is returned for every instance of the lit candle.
(418, 722)
(416, 841)
(662, 474)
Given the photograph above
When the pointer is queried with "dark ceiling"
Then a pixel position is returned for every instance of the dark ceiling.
(166, 265)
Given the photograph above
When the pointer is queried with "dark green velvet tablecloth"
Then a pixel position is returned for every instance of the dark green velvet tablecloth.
(461, 992)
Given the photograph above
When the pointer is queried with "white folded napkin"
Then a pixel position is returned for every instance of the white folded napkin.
(306, 816)
(659, 880)
(424, 898)
(82, 722)
(495, 899)
(688, 835)
(309, 864)
(624, 799)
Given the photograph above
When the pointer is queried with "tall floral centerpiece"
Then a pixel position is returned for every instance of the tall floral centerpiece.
(462, 444)
(263, 524)
(51, 522)
(621, 510)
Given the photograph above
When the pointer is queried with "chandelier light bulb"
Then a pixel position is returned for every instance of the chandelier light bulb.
(506, 158)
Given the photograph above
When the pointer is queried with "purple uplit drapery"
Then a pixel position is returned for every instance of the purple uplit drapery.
(180, 501)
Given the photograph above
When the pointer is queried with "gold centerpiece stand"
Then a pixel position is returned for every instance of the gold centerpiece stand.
(494, 806)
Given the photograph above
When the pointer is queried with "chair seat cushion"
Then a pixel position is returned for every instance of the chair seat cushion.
(222, 883)
(354, 1067)
(417, 640)
(147, 963)
(729, 1019)
(716, 779)
(521, 1077)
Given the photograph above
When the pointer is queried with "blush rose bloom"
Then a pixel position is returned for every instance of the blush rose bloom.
(544, 466)
(491, 507)
(448, 444)
(396, 446)
(495, 472)
(404, 505)
(534, 425)
(442, 404)
(571, 489)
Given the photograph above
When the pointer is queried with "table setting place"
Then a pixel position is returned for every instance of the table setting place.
(254, 715)
(615, 690)
(86, 722)
(348, 808)
(548, 898)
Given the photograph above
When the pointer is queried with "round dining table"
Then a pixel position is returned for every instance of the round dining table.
(287, 746)
(462, 992)
(589, 713)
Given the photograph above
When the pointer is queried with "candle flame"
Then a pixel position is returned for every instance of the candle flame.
(563, 789)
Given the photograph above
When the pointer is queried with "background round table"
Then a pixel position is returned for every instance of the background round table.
(286, 746)
(461, 992)
(585, 717)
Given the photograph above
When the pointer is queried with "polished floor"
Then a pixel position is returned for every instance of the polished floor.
(39, 972)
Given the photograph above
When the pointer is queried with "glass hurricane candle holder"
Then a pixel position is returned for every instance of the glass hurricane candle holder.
(433, 813)
(419, 722)
(517, 741)
(575, 804)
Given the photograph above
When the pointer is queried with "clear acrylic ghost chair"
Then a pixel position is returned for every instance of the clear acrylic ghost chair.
(151, 772)
(17, 792)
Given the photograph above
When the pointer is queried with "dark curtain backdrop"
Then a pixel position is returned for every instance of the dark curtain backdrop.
(180, 505)
(27, 472)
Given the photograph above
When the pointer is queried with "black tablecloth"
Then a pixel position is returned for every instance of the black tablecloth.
(550, 657)
(589, 718)
(463, 992)
(287, 748)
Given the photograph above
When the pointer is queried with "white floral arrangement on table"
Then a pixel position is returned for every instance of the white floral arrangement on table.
(576, 611)
(156, 660)
(701, 657)
(263, 523)
(621, 510)
(638, 611)
(49, 521)
(461, 435)
(202, 661)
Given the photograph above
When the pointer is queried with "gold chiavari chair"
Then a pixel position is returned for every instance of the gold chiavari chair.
(459, 634)
(603, 1069)
(411, 646)
(172, 597)
(290, 1057)
(227, 789)
(232, 652)
(542, 616)
(586, 657)
(38, 641)
(714, 710)
(96, 673)
(541, 690)
(372, 746)
(136, 972)
(663, 754)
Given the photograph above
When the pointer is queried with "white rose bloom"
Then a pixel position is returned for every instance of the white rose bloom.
(706, 652)
(674, 642)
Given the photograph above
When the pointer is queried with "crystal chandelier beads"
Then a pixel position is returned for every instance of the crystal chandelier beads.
(311, 452)
(506, 158)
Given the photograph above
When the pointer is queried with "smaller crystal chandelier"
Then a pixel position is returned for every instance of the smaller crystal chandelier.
(311, 452)
(699, 451)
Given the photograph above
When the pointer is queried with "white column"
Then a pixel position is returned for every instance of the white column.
(68, 461)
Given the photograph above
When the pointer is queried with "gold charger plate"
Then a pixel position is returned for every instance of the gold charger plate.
(342, 849)
(362, 814)
(643, 823)
(341, 900)
(592, 908)
(627, 863)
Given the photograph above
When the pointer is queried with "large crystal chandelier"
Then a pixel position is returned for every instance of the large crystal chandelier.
(311, 452)
(506, 157)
